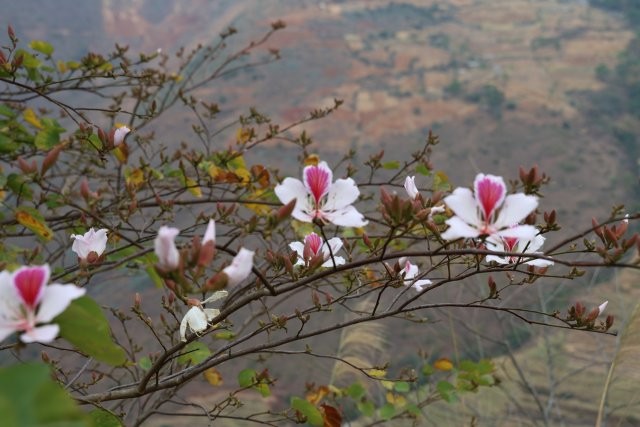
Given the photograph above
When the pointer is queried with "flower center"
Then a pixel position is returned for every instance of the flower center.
(489, 193)
(29, 283)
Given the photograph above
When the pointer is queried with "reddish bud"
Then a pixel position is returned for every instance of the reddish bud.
(11, 33)
(51, 158)
(217, 282)
(315, 298)
(45, 357)
(25, 167)
(592, 316)
(596, 228)
(610, 237)
(285, 211)
(367, 241)
(609, 322)
(171, 298)
(3, 59)
(104, 138)
(493, 290)
(137, 300)
(206, 254)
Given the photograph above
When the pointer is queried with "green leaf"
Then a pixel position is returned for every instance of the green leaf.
(145, 363)
(366, 408)
(402, 387)
(427, 370)
(422, 169)
(194, 353)
(313, 415)
(7, 145)
(224, 335)
(155, 277)
(19, 185)
(6, 111)
(247, 377)
(391, 165)
(95, 142)
(263, 389)
(85, 326)
(413, 409)
(447, 391)
(42, 47)
(29, 397)
(47, 138)
(356, 391)
(102, 418)
(387, 411)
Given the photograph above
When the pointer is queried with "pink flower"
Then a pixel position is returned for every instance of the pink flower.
(410, 187)
(90, 242)
(318, 198)
(409, 271)
(165, 248)
(314, 246)
(27, 301)
(488, 211)
(513, 244)
(240, 267)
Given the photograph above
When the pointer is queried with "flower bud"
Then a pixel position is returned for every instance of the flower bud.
(51, 158)
(25, 167)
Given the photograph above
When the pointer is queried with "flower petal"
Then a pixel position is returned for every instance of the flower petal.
(211, 313)
(119, 134)
(489, 191)
(210, 233)
(216, 296)
(240, 267)
(342, 193)
(335, 243)
(30, 282)
(43, 334)
(165, 248)
(462, 203)
(516, 207)
(539, 262)
(601, 307)
(338, 259)
(298, 247)
(458, 228)
(347, 217)
(91, 241)
(290, 189)
(419, 285)
(410, 187)
(55, 300)
(5, 331)
(317, 180)
(523, 232)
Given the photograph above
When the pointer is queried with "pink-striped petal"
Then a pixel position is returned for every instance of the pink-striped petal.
(30, 284)
(317, 180)
(490, 191)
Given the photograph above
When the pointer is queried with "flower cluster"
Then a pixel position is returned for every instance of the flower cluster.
(26, 303)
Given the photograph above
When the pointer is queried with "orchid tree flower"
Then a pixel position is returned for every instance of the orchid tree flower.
(90, 245)
(410, 187)
(318, 198)
(119, 134)
(208, 247)
(166, 250)
(210, 232)
(489, 211)
(513, 244)
(27, 303)
(313, 246)
(410, 271)
(197, 318)
(602, 307)
(240, 267)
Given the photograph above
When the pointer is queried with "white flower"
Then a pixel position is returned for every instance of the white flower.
(316, 247)
(119, 135)
(602, 307)
(240, 267)
(488, 211)
(165, 248)
(513, 244)
(26, 301)
(318, 198)
(410, 187)
(410, 271)
(198, 318)
(210, 233)
(91, 241)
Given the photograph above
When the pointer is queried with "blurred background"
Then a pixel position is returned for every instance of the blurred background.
(504, 83)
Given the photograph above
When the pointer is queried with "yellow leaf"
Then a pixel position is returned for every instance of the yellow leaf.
(214, 171)
(312, 160)
(258, 208)
(443, 364)
(244, 175)
(135, 178)
(62, 67)
(193, 187)
(377, 373)
(31, 118)
(396, 399)
(315, 396)
(387, 384)
(243, 135)
(33, 223)
(121, 152)
(213, 377)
